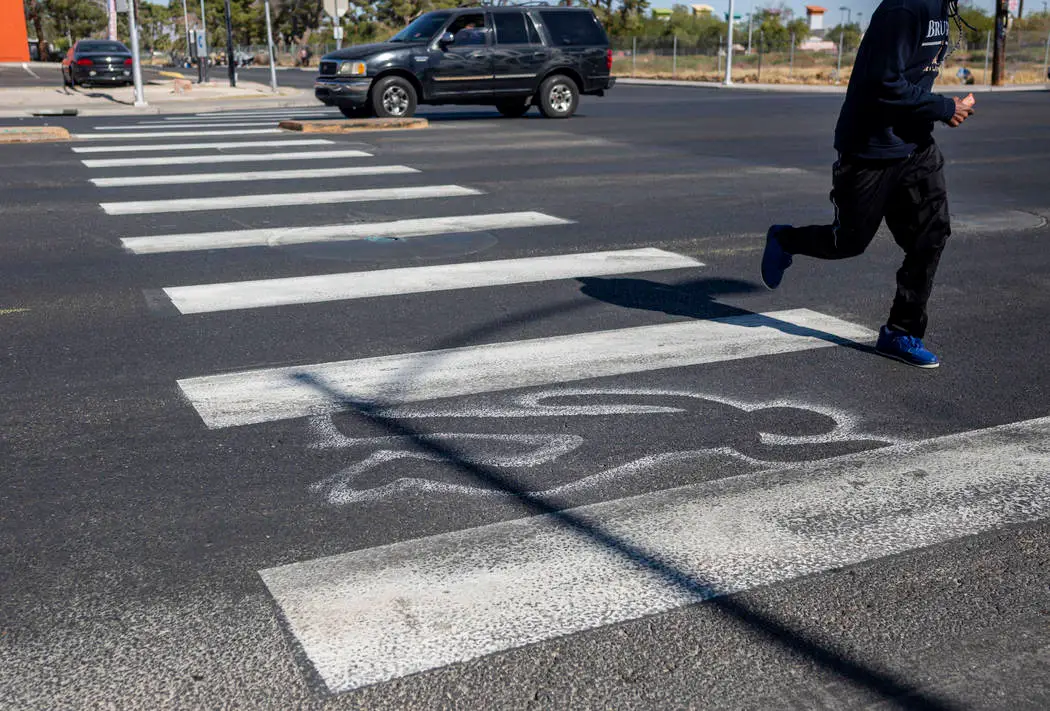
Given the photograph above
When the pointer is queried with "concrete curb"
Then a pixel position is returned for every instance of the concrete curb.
(355, 125)
(819, 88)
(33, 134)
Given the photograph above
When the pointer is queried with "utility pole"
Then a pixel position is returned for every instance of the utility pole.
(111, 28)
(186, 21)
(230, 63)
(749, 24)
(269, 46)
(999, 57)
(729, 46)
(136, 61)
(202, 61)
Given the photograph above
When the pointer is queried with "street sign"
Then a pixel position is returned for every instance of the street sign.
(332, 6)
(122, 5)
(202, 44)
(1013, 6)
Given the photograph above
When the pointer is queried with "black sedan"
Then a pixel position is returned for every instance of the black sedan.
(97, 62)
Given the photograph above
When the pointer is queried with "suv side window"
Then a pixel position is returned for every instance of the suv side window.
(573, 28)
(513, 28)
(468, 29)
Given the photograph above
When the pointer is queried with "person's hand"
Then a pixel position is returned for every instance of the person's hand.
(963, 110)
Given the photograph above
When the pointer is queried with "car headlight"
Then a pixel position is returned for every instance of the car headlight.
(352, 69)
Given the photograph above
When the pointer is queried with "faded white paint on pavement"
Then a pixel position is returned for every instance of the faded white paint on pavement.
(138, 148)
(282, 393)
(218, 158)
(207, 298)
(373, 615)
(251, 176)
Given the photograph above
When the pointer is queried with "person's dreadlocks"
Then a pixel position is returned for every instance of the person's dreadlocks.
(952, 7)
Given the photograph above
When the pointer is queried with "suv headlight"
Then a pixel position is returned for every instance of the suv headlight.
(352, 69)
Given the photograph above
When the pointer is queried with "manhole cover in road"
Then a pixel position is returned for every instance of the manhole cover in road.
(379, 249)
(995, 221)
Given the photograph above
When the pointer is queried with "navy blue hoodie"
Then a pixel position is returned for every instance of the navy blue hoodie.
(889, 110)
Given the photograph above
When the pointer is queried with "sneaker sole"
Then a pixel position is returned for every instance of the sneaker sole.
(913, 364)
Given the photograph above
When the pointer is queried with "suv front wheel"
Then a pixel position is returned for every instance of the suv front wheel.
(394, 97)
(559, 96)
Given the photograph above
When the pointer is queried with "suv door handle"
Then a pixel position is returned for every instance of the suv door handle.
(476, 55)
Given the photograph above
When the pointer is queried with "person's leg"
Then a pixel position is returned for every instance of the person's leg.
(860, 191)
(917, 215)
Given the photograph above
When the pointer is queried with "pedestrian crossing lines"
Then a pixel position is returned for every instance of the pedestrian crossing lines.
(336, 607)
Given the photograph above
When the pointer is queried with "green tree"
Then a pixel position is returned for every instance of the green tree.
(76, 18)
(850, 36)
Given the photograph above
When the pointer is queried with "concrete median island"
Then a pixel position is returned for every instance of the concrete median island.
(355, 125)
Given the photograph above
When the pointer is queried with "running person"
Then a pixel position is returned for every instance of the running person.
(889, 166)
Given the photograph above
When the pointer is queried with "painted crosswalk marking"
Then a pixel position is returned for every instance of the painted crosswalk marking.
(174, 134)
(158, 125)
(378, 614)
(278, 236)
(202, 146)
(305, 174)
(231, 202)
(219, 158)
(283, 393)
(208, 298)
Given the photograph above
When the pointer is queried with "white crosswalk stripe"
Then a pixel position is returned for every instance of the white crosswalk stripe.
(278, 236)
(139, 148)
(217, 158)
(282, 393)
(207, 298)
(303, 174)
(378, 614)
(158, 125)
(174, 134)
(233, 202)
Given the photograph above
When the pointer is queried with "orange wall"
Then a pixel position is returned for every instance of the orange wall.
(14, 45)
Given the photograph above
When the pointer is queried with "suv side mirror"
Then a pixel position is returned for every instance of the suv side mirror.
(446, 39)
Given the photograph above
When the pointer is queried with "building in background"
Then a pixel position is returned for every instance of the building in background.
(14, 42)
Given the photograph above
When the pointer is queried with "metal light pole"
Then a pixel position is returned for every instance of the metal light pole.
(202, 61)
(729, 47)
(230, 64)
(336, 23)
(749, 18)
(269, 46)
(842, 33)
(860, 22)
(186, 22)
(987, 54)
(111, 28)
(136, 68)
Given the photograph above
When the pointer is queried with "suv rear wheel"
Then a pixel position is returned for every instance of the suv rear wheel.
(559, 96)
(514, 108)
(393, 97)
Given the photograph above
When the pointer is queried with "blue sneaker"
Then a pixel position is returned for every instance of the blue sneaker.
(775, 260)
(907, 349)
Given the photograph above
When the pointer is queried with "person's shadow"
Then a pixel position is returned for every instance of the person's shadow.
(698, 299)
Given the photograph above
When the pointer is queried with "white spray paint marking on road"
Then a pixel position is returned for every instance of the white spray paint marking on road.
(283, 393)
(345, 487)
(281, 236)
(233, 202)
(251, 176)
(208, 298)
(218, 158)
(378, 614)
(199, 146)
(173, 134)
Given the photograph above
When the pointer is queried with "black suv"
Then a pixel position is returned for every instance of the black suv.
(507, 57)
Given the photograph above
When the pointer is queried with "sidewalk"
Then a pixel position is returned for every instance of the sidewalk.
(161, 97)
(822, 88)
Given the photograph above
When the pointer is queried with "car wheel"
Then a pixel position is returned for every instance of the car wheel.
(559, 97)
(513, 108)
(394, 97)
(354, 112)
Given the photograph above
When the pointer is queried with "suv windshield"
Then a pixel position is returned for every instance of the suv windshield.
(102, 47)
(422, 29)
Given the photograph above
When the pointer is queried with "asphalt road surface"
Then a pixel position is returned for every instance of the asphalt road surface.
(496, 415)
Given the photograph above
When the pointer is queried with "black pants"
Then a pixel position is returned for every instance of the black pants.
(910, 193)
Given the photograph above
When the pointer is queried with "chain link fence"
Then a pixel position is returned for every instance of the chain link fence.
(703, 59)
